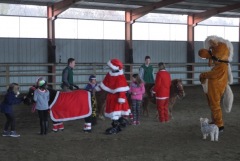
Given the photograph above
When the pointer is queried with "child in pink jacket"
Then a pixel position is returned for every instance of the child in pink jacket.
(137, 90)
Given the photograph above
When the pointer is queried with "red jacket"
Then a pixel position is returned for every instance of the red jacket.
(162, 85)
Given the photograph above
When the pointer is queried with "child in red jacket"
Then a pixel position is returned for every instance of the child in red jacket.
(162, 92)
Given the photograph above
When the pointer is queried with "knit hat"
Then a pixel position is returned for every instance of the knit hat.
(41, 82)
(91, 77)
(115, 64)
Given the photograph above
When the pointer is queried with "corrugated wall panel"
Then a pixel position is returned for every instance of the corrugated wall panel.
(16, 50)
(83, 51)
(162, 51)
(165, 51)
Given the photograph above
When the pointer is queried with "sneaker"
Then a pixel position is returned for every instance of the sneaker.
(6, 133)
(14, 134)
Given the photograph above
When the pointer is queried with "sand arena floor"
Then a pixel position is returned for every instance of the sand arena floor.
(178, 140)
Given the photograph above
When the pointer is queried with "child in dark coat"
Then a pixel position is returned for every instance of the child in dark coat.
(6, 107)
(91, 120)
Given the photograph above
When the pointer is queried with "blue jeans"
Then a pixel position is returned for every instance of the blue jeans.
(136, 107)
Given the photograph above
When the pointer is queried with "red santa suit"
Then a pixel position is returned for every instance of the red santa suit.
(116, 85)
(162, 93)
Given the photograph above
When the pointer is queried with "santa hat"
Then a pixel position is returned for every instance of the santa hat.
(115, 64)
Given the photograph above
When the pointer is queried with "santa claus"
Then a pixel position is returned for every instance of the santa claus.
(116, 104)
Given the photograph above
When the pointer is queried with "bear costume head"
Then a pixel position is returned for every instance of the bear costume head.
(218, 50)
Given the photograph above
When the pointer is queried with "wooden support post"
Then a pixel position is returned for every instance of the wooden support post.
(190, 49)
(51, 46)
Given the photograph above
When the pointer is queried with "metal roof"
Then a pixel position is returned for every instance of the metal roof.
(186, 7)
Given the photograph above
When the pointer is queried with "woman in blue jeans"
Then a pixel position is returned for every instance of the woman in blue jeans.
(6, 106)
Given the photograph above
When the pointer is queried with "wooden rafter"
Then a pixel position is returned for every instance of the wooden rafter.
(209, 13)
(139, 12)
(61, 6)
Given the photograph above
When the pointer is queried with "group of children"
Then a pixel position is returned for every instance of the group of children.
(41, 97)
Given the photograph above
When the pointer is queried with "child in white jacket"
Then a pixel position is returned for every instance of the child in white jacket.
(41, 96)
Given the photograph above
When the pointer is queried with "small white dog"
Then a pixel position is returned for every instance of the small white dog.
(207, 128)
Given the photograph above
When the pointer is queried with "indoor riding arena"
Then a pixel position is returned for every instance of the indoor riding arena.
(196, 40)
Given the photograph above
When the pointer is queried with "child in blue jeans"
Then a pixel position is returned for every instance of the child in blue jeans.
(10, 99)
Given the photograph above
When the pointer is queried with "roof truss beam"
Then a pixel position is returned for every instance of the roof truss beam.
(139, 12)
(61, 6)
(209, 13)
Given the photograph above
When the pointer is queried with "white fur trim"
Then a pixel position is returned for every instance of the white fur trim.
(228, 99)
(87, 126)
(97, 88)
(121, 100)
(55, 100)
(161, 98)
(205, 86)
(112, 66)
(230, 76)
(117, 114)
(117, 73)
(120, 89)
(56, 124)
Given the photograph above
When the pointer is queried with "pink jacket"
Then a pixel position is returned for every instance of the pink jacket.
(137, 92)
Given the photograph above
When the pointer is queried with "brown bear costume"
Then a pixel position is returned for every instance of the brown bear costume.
(216, 81)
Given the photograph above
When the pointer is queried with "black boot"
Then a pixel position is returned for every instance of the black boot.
(123, 122)
(114, 129)
(94, 121)
(45, 127)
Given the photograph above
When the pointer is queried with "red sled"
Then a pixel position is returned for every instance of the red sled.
(72, 105)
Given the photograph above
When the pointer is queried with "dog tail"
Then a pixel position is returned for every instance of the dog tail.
(228, 99)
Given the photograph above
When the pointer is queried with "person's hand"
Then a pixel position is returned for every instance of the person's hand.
(76, 86)
(152, 93)
(71, 87)
(202, 79)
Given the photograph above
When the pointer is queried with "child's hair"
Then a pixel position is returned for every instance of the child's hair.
(138, 79)
(13, 87)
